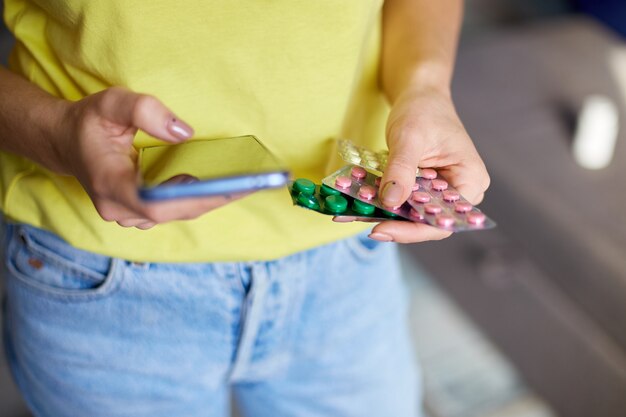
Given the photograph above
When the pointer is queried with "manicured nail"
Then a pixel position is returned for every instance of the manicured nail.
(344, 219)
(392, 194)
(381, 237)
(179, 129)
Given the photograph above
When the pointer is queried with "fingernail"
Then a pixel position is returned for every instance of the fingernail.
(381, 237)
(392, 194)
(179, 129)
(344, 219)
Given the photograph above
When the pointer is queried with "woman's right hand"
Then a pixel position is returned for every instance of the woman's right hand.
(97, 148)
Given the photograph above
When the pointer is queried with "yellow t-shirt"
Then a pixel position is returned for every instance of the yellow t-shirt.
(297, 74)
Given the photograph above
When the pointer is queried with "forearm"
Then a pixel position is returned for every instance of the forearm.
(419, 44)
(30, 120)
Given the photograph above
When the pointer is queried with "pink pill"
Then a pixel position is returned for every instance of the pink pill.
(416, 215)
(421, 197)
(445, 220)
(463, 207)
(439, 185)
(416, 186)
(343, 182)
(432, 208)
(451, 196)
(428, 173)
(368, 192)
(358, 173)
(377, 181)
(475, 217)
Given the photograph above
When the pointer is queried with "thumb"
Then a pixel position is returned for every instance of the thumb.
(144, 112)
(399, 176)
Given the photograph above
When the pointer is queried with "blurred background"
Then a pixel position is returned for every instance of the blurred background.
(529, 319)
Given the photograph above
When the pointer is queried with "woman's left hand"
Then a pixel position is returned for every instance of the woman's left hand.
(424, 130)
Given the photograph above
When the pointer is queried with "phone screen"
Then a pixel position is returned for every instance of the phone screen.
(207, 159)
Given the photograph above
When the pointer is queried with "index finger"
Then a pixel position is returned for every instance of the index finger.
(186, 208)
(410, 232)
(469, 177)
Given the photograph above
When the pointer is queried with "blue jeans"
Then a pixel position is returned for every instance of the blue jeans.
(319, 333)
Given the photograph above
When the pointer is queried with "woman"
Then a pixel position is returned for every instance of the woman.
(117, 307)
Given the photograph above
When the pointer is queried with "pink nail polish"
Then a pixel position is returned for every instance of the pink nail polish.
(344, 219)
(381, 237)
(179, 129)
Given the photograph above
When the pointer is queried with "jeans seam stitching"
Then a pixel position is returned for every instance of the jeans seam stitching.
(35, 247)
(109, 286)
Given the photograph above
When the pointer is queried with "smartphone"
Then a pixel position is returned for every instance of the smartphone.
(210, 167)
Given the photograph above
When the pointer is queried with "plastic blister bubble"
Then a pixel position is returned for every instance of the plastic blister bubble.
(363, 157)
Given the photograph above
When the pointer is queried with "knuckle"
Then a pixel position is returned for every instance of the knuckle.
(145, 226)
(106, 213)
(98, 190)
(486, 182)
(144, 106)
(106, 99)
(478, 199)
(107, 217)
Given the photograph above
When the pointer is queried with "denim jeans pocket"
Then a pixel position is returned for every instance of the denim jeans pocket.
(363, 248)
(48, 265)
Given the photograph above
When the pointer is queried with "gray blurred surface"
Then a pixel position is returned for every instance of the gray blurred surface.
(518, 108)
(482, 15)
(549, 284)
(464, 374)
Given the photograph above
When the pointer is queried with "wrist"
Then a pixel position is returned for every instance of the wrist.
(424, 77)
(55, 125)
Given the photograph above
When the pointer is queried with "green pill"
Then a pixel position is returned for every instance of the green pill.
(389, 213)
(335, 204)
(325, 190)
(308, 201)
(363, 208)
(302, 185)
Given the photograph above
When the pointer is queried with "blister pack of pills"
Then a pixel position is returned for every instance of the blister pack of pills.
(433, 201)
(442, 206)
(327, 200)
(375, 162)
(353, 191)
(362, 185)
